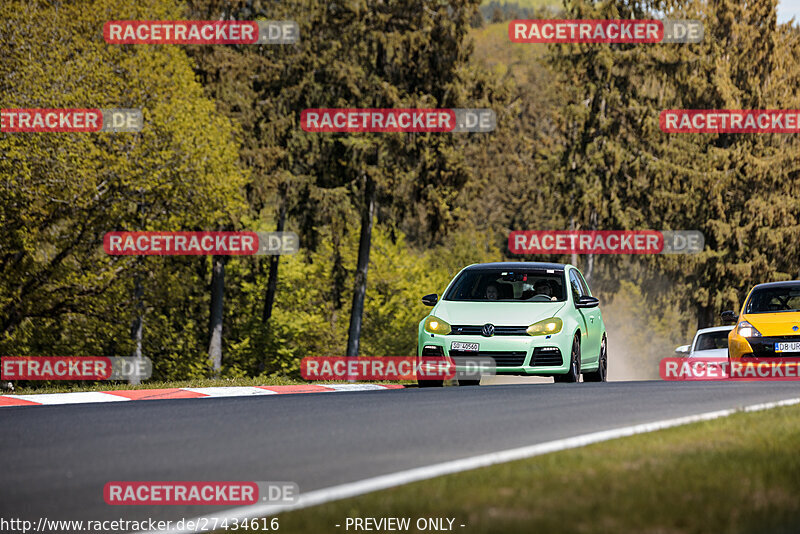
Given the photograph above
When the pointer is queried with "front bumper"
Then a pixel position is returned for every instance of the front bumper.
(512, 355)
(759, 347)
(738, 347)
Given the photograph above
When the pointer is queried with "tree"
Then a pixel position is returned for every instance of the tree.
(59, 293)
(627, 174)
(362, 54)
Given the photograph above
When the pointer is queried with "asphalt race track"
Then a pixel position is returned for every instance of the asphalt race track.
(56, 459)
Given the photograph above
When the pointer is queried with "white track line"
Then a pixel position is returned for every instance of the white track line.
(78, 397)
(353, 489)
(353, 387)
(231, 391)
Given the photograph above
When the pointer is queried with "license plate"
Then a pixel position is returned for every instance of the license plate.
(785, 346)
(466, 347)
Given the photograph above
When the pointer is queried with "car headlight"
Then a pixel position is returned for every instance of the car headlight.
(549, 326)
(745, 329)
(434, 325)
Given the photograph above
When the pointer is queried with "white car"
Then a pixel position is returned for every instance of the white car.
(708, 343)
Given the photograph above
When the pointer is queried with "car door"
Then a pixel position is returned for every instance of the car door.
(693, 346)
(592, 320)
(596, 326)
(582, 315)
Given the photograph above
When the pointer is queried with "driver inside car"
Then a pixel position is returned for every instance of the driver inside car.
(492, 293)
(541, 287)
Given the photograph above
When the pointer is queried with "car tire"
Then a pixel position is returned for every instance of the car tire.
(601, 375)
(730, 365)
(430, 383)
(469, 382)
(574, 373)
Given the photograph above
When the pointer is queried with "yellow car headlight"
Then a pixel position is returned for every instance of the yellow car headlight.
(745, 329)
(434, 325)
(549, 326)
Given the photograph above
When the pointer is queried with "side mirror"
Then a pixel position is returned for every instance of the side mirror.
(729, 316)
(430, 300)
(683, 350)
(587, 302)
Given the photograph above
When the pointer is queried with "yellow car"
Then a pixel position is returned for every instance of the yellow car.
(769, 324)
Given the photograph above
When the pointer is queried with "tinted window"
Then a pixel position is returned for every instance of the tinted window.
(508, 286)
(577, 288)
(774, 299)
(584, 285)
(712, 340)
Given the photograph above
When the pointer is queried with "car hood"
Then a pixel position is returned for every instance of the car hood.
(774, 324)
(496, 313)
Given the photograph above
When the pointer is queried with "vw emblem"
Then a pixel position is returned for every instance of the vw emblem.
(796, 328)
(487, 330)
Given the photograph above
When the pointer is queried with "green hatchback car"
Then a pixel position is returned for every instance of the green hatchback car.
(527, 318)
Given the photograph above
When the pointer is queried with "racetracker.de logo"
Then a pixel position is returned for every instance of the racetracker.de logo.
(605, 31)
(385, 120)
(200, 243)
(747, 369)
(199, 493)
(729, 121)
(75, 368)
(605, 242)
(71, 120)
(201, 32)
(376, 368)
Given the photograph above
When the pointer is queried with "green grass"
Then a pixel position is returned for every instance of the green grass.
(740, 474)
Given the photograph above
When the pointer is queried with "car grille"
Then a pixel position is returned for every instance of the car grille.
(764, 347)
(501, 359)
(475, 330)
(546, 358)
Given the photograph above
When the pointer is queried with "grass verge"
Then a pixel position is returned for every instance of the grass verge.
(740, 474)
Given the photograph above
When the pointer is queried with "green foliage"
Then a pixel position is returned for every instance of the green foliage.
(59, 293)
(621, 172)
(577, 143)
(307, 323)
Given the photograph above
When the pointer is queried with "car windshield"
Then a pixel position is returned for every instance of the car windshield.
(503, 285)
(774, 300)
(712, 340)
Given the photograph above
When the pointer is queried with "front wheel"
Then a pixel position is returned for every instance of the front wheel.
(601, 375)
(574, 373)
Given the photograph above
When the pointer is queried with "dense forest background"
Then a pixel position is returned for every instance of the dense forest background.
(577, 146)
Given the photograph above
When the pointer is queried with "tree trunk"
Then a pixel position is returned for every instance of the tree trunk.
(272, 280)
(217, 308)
(574, 258)
(589, 268)
(590, 259)
(364, 243)
(706, 317)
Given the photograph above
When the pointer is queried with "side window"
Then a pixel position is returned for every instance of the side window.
(584, 285)
(576, 285)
